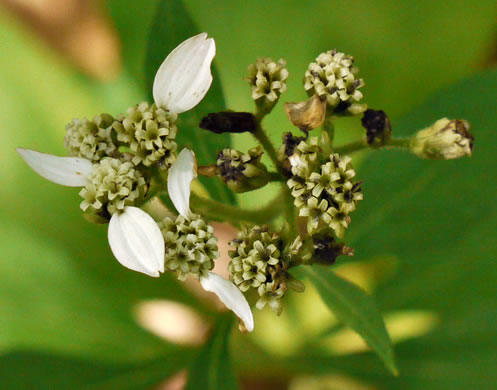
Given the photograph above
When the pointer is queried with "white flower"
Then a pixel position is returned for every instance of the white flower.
(179, 180)
(134, 237)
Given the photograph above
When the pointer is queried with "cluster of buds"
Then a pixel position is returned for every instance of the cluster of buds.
(322, 185)
(333, 76)
(242, 171)
(260, 261)
(268, 81)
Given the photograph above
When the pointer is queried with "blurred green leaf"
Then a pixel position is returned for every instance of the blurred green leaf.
(212, 369)
(172, 25)
(132, 20)
(439, 218)
(354, 308)
(40, 371)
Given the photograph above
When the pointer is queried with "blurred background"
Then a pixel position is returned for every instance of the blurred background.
(72, 317)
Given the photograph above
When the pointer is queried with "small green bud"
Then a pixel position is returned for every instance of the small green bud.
(378, 128)
(268, 81)
(90, 139)
(112, 185)
(444, 140)
(149, 132)
(191, 246)
(333, 76)
(242, 172)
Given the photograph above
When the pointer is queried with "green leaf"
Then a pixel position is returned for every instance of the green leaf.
(212, 369)
(438, 218)
(172, 25)
(354, 308)
(37, 370)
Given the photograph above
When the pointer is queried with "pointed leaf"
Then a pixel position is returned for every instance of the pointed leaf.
(356, 309)
(212, 369)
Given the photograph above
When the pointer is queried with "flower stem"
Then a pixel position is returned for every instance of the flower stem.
(392, 143)
(329, 127)
(268, 146)
(217, 210)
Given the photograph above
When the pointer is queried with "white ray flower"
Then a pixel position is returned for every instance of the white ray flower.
(185, 76)
(179, 180)
(134, 237)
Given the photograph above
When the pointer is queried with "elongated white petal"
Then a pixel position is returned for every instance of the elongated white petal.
(184, 77)
(179, 180)
(231, 296)
(66, 171)
(136, 241)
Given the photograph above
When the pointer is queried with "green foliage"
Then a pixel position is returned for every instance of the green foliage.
(172, 25)
(352, 306)
(32, 370)
(212, 368)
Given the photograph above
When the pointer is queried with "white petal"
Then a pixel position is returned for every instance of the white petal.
(184, 77)
(231, 296)
(179, 180)
(136, 241)
(66, 171)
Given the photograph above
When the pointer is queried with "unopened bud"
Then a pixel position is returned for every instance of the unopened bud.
(444, 140)
(242, 172)
(377, 125)
(229, 122)
(307, 115)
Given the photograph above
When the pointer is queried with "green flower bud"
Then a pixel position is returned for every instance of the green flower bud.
(191, 246)
(149, 132)
(242, 172)
(333, 76)
(444, 140)
(112, 185)
(268, 81)
(90, 139)
(260, 262)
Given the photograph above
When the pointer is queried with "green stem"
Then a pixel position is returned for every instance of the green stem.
(266, 143)
(276, 176)
(392, 143)
(220, 211)
(329, 127)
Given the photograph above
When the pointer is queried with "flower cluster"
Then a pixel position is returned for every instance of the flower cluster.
(115, 160)
(122, 162)
(334, 76)
(323, 187)
(260, 261)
